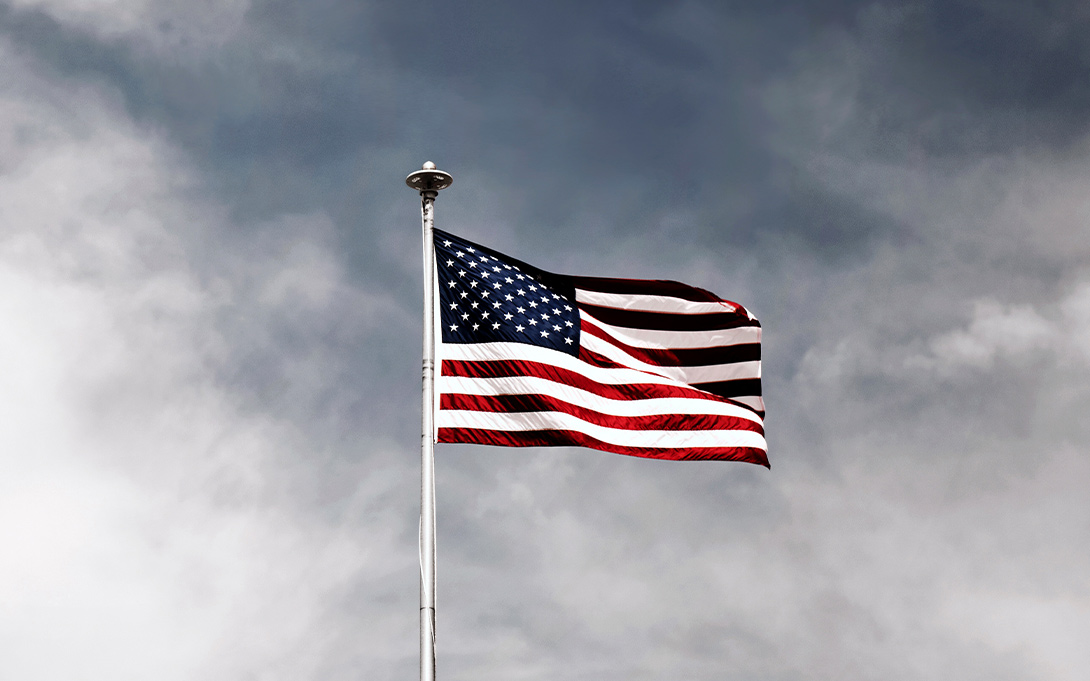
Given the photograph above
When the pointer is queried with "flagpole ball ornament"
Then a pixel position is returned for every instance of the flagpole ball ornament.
(429, 179)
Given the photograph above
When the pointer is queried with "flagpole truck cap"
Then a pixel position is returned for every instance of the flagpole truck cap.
(429, 179)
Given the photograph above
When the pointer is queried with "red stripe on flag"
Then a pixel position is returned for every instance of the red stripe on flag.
(537, 403)
(568, 438)
(668, 321)
(624, 391)
(651, 287)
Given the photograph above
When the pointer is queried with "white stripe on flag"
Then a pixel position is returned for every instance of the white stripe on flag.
(679, 340)
(532, 385)
(551, 420)
(649, 303)
(483, 352)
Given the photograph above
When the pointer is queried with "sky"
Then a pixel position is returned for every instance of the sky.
(210, 283)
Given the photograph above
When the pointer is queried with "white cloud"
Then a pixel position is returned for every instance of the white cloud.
(995, 331)
(148, 510)
(161, 25)
(1016, 332)
(936, 420)
(1076, 317)
(996, 338)
(1051, 632)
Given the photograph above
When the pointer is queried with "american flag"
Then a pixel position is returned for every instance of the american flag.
(654, 369)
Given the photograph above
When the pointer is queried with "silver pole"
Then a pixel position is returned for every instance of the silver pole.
(428, 182)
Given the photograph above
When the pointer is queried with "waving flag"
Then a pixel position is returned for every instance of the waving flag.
(654, 369)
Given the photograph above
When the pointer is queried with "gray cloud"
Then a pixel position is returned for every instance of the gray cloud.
(209, 268)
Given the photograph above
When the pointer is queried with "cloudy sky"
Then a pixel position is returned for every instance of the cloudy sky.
(209, 355)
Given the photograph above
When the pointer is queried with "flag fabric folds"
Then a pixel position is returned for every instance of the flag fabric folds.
(654, 369)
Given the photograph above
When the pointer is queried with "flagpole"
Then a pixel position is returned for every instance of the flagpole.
(428, 181)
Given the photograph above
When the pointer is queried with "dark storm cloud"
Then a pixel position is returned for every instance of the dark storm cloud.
(618, 74)
(647, 113)
(628, 111)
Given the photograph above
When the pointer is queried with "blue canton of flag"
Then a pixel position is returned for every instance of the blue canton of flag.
(486, 297)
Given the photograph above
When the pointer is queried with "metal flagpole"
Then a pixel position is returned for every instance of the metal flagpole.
(428, 182)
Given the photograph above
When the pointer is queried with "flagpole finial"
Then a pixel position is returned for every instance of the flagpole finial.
(429, 180)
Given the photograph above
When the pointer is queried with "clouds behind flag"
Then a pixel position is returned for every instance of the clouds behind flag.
(654, 369)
